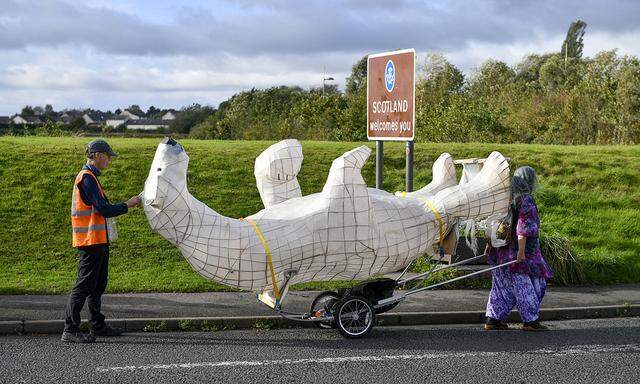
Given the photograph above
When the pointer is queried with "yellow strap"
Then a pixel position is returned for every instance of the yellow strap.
(433, 208)
(267, 252)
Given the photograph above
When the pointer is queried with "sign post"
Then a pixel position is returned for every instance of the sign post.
(409, 167)
(391, 105)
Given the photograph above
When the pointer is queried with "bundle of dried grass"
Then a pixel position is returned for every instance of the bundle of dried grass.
(567, 269)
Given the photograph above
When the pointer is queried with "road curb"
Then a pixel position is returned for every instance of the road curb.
(268, 322)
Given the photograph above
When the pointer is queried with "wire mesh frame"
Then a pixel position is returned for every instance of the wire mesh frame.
(347, 231)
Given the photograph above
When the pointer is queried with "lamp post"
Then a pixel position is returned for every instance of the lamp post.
(325, 79)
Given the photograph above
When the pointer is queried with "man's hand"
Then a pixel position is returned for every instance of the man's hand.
(132, 202)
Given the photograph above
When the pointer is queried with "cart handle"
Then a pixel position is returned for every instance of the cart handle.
(426, 274)
(402, 296)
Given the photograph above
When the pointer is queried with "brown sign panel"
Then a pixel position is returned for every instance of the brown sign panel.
(391, 95)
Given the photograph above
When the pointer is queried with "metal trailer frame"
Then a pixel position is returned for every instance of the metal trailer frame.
(352, 311)
(354, 314)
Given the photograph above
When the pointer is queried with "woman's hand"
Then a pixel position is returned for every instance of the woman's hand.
(521, 256)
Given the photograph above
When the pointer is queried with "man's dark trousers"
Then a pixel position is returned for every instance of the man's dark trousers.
(93, 272)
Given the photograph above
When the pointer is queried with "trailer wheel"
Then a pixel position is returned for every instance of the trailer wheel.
(324, 302)
(354, 317)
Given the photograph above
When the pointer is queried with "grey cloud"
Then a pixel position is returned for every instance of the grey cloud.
(304, 27)
(56, 23)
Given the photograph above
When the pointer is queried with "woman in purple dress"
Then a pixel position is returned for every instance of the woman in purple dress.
(522, 284)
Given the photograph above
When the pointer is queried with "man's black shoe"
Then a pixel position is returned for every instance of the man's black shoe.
(107, 331)
(77, 337)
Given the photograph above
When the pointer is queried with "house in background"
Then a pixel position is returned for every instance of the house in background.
(64, 118)
(17, 119)
(68, 116)
(114, 121)
(147, 124)
(94, 117)
(87, 119)
(131, 115)
(171, 115)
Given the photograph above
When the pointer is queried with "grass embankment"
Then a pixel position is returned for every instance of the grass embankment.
(589, 194)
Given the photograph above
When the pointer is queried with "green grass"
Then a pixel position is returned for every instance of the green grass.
(589, 195)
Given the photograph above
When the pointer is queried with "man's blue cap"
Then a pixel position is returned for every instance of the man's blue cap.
(99, 146)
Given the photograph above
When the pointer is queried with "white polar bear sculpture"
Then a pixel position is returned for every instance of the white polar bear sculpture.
(345, 232)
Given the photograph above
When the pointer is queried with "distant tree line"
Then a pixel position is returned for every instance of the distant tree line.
(561, 98)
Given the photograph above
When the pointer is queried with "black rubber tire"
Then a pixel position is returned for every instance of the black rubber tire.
(350, 310)
(325, 300)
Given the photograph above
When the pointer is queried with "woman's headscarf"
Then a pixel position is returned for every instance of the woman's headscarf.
(524, 181)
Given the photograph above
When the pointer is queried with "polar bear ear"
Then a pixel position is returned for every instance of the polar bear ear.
(169, 141)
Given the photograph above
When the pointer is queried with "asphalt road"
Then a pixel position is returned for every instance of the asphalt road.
(586, 351)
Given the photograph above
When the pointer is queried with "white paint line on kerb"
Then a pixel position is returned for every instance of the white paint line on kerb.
(573, 350)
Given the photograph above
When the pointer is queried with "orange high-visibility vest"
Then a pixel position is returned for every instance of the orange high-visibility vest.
(89, 226)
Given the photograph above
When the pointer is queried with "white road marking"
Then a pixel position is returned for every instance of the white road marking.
(572, 350)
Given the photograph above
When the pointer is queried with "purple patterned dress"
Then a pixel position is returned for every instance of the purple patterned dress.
(521, 284)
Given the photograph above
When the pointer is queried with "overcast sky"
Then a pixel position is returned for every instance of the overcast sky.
(109, 54)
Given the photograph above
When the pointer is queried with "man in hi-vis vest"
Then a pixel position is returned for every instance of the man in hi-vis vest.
(93, 227)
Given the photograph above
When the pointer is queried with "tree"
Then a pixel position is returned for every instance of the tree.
(38, 110)
(491, 78)
(357, 81)
(49, 113)
(440, 74)
(628, 99)
(153, 112)
(189, 117)
(259, 114)
(558, 73)
(352, 123)
(27, 110)
(205, 129)
(439, 86)
(528, 70)
(316, 116)
(572, 45)
(76, 124)
(135, 108)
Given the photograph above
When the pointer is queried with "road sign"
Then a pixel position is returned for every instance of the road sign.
(391, 95)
